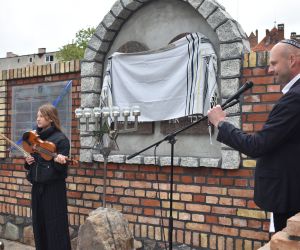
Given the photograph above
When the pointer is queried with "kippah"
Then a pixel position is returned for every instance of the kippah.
(291, 42)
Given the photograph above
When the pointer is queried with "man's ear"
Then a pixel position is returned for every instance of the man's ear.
(293, 60)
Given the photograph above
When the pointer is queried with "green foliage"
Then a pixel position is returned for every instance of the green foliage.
(75, 50)
(70, 52)
(83, 36)
(104, 129)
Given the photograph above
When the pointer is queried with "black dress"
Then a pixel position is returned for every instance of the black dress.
(49, 199)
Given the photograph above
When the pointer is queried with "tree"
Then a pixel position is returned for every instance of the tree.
(75, 50)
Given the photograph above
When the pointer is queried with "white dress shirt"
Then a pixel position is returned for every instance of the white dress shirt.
(290, 84)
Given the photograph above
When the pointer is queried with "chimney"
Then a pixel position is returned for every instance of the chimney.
(10, 54)
(253, 39)
(280, 28)
(293, 35)
(42, 51)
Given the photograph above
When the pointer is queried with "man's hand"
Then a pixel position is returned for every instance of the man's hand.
(215, 115)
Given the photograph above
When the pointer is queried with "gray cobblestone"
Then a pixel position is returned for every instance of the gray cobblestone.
(207, 8)
(112, 23)
(11, 231)
(131, 4)
(104, 34)
(87, 141)
(117, 158)
(228, 32)
(14, 245)
(231, 68)
(210, 162)
(166, 161)
(195, 3)
(218, 17)
(91, 84)
(119, 11)
(98, 45)
(90, 99)
(229, 87)
(135, 160)
(230, 159)
(91, 69)
(150, 160)
(189, 162)
(235, 109)
(231, 50)
(86, 155)
(91, 55)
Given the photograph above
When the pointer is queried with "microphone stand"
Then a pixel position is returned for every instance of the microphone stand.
(171, 139)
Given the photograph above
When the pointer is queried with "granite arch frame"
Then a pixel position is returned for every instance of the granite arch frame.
(233, 43)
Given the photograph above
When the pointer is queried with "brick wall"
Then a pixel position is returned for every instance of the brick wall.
(212, 208)
(3, 113)
(15, 212)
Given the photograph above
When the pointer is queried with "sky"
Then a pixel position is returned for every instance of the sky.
(28, 25)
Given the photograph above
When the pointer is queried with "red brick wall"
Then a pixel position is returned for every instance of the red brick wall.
(212, 208)
(14, 188)
(263, 94)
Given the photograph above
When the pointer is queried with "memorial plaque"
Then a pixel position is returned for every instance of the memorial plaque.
(26, 101)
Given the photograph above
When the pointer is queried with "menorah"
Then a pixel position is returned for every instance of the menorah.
(108, 123)
(104, 116)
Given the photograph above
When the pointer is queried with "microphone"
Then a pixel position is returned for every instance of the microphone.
(245, 87)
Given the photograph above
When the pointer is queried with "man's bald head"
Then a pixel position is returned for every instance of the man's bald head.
(285, 61)
(291, 42)
(287, 48)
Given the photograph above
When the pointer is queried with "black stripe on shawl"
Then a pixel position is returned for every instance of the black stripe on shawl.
(197, 70)
(187, 78)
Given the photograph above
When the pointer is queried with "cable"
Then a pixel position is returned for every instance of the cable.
(162, 235)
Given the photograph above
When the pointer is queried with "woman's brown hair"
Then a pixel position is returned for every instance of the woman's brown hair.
(50, 113)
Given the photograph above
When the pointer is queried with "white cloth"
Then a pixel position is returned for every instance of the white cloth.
(170, 83)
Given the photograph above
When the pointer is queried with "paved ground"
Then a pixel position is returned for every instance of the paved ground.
(13, 245)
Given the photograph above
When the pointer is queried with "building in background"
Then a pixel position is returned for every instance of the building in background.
(13, 61)
(271, 38)
(295, 36)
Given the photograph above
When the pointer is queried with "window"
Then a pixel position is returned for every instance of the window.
(27, 99)
(49, 58)
(30, 59)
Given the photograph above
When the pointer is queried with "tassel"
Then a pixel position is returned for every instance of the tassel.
(209, 131)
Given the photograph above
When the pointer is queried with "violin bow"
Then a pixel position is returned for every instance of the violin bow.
(26, 154)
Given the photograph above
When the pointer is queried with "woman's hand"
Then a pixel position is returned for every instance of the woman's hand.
(29, 160)
(61, 159)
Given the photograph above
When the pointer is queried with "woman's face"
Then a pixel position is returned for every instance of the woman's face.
(42, 122)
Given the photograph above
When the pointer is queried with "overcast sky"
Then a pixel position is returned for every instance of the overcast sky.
(28, 25)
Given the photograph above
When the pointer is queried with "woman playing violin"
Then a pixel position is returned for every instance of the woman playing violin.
(48, 194)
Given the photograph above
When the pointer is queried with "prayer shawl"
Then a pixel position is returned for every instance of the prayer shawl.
(169, 83)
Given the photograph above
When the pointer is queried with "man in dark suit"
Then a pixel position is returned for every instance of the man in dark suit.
(277, 145)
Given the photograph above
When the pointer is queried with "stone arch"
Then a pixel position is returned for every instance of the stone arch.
(232, 41)
(132, 46)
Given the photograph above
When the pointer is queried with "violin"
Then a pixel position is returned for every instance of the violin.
(46, 149)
